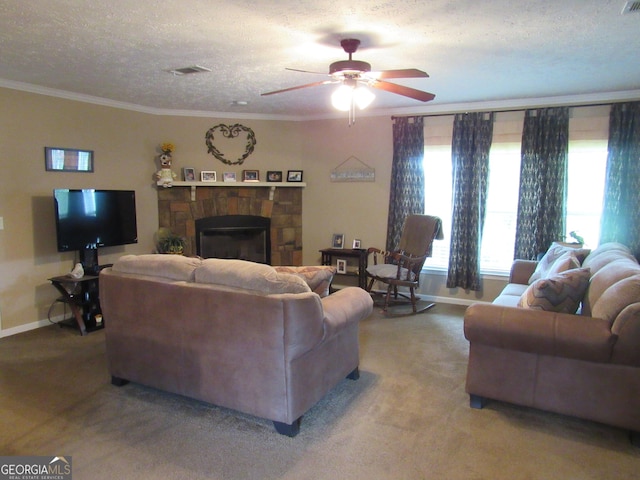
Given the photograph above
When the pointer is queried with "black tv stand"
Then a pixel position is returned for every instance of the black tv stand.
(83, 297)
(89, 259)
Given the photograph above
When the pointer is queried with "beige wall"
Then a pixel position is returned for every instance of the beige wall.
(356, 209)
(126, 147)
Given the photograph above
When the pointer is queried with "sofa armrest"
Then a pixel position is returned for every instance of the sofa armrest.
(348, 305)
(539, 332)
(627, 328)
(521, 270)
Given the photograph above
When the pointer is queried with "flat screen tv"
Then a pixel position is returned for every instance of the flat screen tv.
(87, 219)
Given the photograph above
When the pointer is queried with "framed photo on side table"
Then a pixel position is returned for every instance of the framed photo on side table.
(338, 240)
(341, 266)
(294, 176)
(208, 176)
(356, 244)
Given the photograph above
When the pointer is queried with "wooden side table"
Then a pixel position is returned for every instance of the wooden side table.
(82, 296)
(328, 255)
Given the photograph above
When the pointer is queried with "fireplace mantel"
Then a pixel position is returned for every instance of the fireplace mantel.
(271, 185)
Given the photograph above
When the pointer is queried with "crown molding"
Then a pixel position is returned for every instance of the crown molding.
(429, 109)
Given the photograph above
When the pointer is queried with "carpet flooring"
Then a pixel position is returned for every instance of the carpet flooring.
(407, 417)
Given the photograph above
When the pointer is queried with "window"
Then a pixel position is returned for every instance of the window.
(585, 191)
(502, 203)
(588, 133)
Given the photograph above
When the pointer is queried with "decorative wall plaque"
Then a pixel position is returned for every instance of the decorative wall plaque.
(229, 143)
(353, 170)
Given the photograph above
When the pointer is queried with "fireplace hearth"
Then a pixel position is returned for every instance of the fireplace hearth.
(243, 237)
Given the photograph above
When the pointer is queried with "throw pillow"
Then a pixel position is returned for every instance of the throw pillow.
(566, 261)
(317, 277)
(555, 251)
(560, 293)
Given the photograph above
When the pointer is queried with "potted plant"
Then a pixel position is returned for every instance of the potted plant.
(169, 242)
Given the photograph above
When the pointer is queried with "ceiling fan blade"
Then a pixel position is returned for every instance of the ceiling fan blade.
(404, 73)
(305, 71)
(314, 84)
(402, 90)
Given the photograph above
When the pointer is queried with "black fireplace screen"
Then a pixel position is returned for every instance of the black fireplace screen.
(244, 237)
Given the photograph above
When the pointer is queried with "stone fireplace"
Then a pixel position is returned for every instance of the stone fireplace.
(179, 212)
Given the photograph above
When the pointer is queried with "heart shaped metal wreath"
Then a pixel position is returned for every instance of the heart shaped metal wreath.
(230, 131)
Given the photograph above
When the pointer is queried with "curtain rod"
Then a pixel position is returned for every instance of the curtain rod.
(522, 109)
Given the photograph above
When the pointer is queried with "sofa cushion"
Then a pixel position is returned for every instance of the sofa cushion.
(605, 254)
(173, 267)
(560, 293)
(556, 250)
(389, 270)
(618, 268)
(241, 274)
(317, 277)
(615, 298)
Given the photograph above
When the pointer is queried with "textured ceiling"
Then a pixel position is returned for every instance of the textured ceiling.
(497, 51)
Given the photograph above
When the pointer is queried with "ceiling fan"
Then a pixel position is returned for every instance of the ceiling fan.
(354, 72)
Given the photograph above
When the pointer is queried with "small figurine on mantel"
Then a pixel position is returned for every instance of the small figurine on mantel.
(165, 175)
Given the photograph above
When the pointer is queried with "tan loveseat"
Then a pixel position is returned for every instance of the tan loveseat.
(232, 333)
(586, 364)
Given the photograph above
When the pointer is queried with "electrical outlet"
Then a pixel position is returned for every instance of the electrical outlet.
(1, 223)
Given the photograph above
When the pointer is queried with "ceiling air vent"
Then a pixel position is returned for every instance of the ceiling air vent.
(189, 70)
(631, 7)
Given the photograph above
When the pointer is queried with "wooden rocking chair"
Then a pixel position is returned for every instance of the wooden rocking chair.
(401, 268)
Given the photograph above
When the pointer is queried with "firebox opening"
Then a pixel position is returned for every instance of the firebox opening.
(244, 237)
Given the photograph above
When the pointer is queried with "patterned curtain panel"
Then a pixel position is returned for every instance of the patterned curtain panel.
(407, 175)
(543, 181)
(621, 211)
(472, 134)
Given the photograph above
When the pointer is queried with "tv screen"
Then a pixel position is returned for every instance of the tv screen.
(88, 218)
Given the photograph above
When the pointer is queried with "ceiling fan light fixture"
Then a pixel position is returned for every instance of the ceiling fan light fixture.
(341, 98)
(345, 96)
(363, 97)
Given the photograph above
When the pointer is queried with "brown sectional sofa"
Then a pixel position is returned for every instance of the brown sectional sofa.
(235, 334)
(586, 364)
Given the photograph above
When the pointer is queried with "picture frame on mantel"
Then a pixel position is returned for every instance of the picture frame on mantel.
(250, 176)
(208, 176)
(189, 174)
(274, 176)
(294, 176)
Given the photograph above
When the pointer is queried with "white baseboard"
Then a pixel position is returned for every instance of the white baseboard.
(449, 300)
(27, 327)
